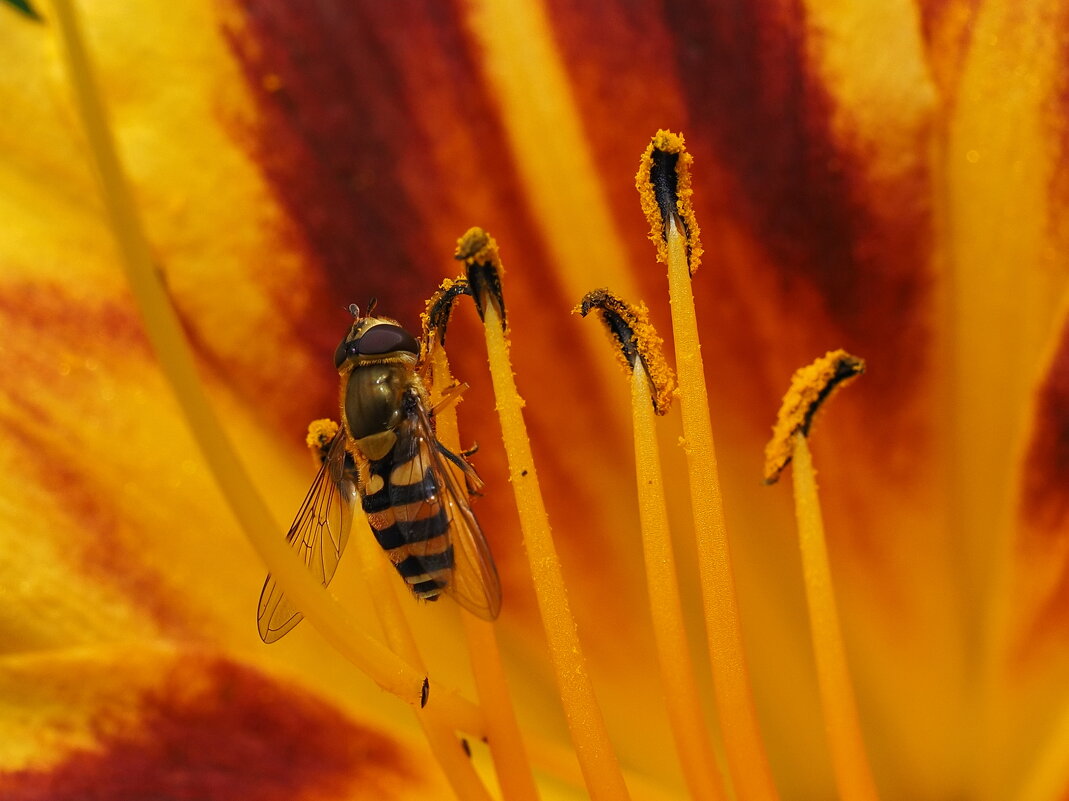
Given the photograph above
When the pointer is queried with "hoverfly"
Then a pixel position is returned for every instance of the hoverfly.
(386, 453)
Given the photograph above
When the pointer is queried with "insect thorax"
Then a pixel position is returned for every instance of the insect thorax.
(373, 397)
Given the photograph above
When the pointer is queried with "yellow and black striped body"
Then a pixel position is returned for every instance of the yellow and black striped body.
(409, 513)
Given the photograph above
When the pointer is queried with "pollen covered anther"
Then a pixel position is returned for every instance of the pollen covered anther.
(638, 339)
(320, 433)
(810, 387)
(478, 250)
(665, 193)
(440, 308)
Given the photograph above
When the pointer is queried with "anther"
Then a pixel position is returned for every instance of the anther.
(478, 250)
(637, 338)
(810, 387)
(440, 308)
(664, 189)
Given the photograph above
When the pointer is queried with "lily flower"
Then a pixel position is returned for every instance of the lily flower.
(887, 179)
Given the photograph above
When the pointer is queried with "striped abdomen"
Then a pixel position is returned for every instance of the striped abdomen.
(409, 515)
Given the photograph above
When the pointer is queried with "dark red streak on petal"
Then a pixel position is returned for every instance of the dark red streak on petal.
(64, 326)
(378, 138)
(1042, 547)
(1045, 490)
(100, 551)
(327, 139)
(218, 732)
(948, 28)
(373, 114)
(761, 112)
(44, 328)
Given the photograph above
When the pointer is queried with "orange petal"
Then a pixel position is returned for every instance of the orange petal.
(150, 721)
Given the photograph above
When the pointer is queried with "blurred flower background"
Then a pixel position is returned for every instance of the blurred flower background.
(889, 178)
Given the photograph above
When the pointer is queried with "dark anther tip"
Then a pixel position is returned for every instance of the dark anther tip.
(665, 181)
(485, 286)
(440, 308)
(425, 693)
(845, 368)
(614, 312)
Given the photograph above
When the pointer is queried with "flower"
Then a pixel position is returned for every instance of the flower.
(884, 179)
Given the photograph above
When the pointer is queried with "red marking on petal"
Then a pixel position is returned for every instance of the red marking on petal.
(65, 324)
(365, 135)
(1045, 491)
(219, 731)
(762, 113)
(49, 417)
(947, 27)
(382, 145)
(1043, 541)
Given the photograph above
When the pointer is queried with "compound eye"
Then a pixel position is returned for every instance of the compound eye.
(343, 352)
(386, 338)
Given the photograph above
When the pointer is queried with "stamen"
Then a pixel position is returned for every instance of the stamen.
(176, 361)
(597, 760)
(511, 763)
(810, 387)
(746, 757)
(652, 380)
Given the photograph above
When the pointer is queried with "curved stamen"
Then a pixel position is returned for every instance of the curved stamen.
(597, 759)
(810, 387)
(652, 380)
(680, 250)
(511, 763)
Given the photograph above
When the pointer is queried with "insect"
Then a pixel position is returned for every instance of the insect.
(386, 454)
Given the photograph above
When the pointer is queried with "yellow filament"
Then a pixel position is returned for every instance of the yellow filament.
(681, 692)
(747, 761)
(165, 333)
(438, 725)
(852, 775)
(461, 713)
(597, 760)
(511, 763)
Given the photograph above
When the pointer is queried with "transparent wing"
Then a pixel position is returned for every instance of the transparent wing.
(473, 580)
(319, 534)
